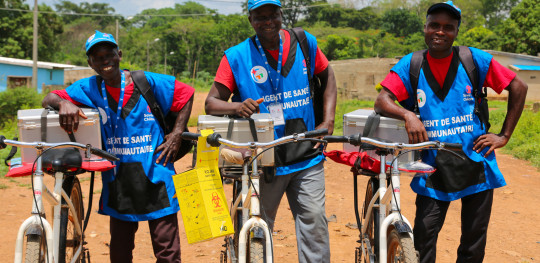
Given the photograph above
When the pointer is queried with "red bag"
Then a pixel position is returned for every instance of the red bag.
(349, 158)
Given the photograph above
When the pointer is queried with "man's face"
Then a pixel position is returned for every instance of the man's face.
(266, 20)
(440, 31)
(105, 60)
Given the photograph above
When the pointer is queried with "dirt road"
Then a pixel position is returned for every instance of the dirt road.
(512, 234)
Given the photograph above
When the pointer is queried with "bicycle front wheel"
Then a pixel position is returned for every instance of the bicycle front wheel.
(401, 248)
(35, 249)
(70, 240)
(256, 250)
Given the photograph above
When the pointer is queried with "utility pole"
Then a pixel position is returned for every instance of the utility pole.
(116, 36)
(35, 48)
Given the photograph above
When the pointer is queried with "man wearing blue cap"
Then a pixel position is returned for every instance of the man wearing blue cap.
(268, 73)
(451, 109)
(140, 188)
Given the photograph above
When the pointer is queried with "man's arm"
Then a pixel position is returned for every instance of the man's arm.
(217, 103)
(385, 105)
(172, 141)
(68, 112)
(517, 91)
(328, 81)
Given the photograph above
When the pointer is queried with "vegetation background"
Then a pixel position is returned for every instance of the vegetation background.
(188, 41)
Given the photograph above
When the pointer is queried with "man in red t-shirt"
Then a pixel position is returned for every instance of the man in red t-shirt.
(443, 93)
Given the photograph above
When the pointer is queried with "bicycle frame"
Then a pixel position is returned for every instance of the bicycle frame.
(37, 220)
(251, 217)
(390, 204)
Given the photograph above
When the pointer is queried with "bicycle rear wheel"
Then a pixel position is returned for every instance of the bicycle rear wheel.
(35, 249)
(70, 240)
(401, 248)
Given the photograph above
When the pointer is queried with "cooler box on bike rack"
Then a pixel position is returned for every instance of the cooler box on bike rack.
(264, 127)
(389, 129)
(29, 126)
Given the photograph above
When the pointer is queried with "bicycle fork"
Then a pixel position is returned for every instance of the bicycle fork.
(251, 217)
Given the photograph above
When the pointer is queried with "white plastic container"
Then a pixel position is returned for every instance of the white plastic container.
(264, 127)
(389, 129)
(29, 125)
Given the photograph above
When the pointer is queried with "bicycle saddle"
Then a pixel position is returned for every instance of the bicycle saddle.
(65, 160)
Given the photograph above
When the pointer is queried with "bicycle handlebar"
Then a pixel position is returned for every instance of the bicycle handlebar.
(101, 153)
(357, 139)
(215, 139)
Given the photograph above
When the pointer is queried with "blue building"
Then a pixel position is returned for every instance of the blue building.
(18, 72)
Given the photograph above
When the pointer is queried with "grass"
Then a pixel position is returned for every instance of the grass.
(3, 186)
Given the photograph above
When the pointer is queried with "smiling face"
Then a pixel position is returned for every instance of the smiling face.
(440, 31)
(105, 60)
(266, 21)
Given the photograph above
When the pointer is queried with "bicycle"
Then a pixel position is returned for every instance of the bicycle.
(382, 222)
(64, 240)
(254, 238)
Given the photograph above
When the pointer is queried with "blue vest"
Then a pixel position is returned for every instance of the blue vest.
(253, 81)
(137, 189)
(452, 120)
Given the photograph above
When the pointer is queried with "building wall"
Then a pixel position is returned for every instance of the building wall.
(357, 78)
(45, 76)
(72, 75)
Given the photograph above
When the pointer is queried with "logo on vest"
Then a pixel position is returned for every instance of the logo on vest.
(305, 67)
(103, 115)
(259, 74)
(467, 96)
(421, 97)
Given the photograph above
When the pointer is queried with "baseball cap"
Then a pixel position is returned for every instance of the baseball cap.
(99, 37)
(253, 4)
(448, 6)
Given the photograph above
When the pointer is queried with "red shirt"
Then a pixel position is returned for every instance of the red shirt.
(225, 76)
(498, 77)
(182, 94)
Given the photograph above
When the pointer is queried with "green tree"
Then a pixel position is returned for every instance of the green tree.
(16, 34)
(478, 37)
(70, 9)
(337, 16)
(401, 22)
(520, 33)
(337, 47)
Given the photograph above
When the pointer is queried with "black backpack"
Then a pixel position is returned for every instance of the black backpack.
(165, 122)
(315, 87)
(465, 56)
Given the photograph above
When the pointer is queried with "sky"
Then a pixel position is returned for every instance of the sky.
(128, 8)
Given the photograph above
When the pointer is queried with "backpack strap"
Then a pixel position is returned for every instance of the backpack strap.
(304, 46)
(414, 73)
(141, 83)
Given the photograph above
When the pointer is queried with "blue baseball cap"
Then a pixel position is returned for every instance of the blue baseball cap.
(448, 6)
(99, 37)
(253, 4)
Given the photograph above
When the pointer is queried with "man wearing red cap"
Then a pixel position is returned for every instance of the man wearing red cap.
(270, 67)
(442, 92)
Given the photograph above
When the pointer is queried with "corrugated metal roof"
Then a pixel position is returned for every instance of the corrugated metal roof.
(527, 67)
(29, 63)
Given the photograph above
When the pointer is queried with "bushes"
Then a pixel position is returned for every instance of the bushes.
(16, 99)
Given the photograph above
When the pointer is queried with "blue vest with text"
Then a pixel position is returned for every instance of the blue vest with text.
(293, 93)
(452, 120)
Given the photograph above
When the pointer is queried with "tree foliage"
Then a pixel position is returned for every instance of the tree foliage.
(401, 22)
(521, 31)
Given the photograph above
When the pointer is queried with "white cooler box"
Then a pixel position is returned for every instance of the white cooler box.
(389, 129)
(264, 126)
(29, 125)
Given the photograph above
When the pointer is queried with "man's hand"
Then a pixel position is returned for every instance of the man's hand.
(415, 128)
(324, 125)
(169, 148)
(69, 116)
(491, 140)
(248, 107)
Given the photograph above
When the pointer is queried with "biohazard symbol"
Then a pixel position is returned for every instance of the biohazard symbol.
(216, 200)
